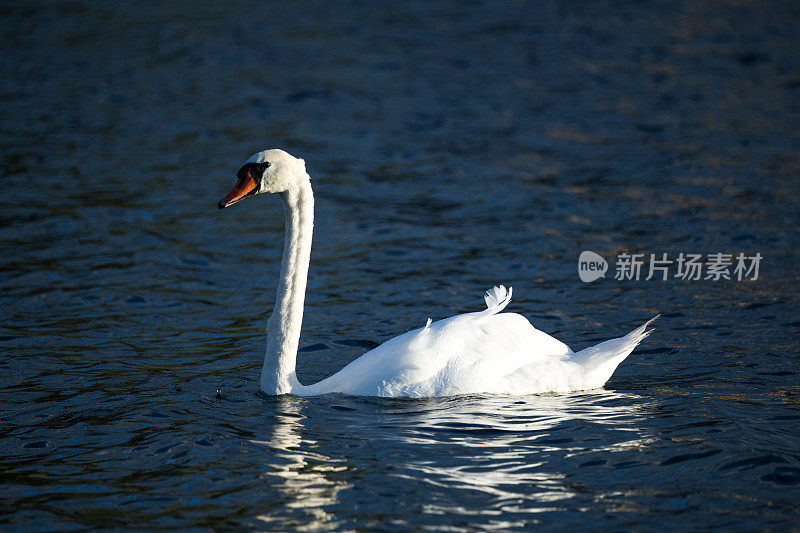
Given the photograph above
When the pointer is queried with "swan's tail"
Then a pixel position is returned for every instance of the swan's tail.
(600, 361)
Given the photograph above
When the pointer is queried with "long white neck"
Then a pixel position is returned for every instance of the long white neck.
(283, 327)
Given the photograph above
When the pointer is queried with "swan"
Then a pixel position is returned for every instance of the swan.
(480, 352)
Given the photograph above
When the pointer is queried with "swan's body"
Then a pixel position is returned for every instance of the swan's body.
(481, 352)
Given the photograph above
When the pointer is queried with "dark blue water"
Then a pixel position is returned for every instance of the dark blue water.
(451, 147)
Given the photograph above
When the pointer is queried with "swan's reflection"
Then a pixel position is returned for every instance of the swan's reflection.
(517, 449)
(297, 471)
(502, 457)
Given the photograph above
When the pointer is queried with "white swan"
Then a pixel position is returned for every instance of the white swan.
(482, 352)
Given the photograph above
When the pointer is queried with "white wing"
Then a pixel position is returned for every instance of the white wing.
(477, 352)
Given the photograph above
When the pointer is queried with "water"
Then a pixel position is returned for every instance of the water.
(451, 147)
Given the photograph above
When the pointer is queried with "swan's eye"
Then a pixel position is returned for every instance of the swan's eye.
(256, 170)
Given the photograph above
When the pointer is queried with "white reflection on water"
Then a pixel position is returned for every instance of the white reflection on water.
(299, 472)
(510, 448)
(484, 455)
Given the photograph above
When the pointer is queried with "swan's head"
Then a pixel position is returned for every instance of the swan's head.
(267, 171)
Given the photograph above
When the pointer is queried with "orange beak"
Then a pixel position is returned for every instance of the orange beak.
(245, 186)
